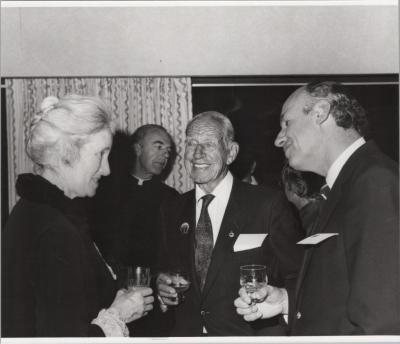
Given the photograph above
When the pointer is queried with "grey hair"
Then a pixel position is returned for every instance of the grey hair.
(345, 109)
(223, 122)
(62, 126)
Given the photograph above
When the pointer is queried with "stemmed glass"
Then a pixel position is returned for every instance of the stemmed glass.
(180, 282)
(252, 278)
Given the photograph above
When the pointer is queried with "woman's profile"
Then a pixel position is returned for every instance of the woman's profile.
(55, 281)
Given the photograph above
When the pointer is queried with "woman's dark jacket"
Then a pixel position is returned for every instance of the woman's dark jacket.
(54, 282)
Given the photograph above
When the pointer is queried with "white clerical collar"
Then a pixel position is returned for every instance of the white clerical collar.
(222, 190)
(338, 164)
(140, 180)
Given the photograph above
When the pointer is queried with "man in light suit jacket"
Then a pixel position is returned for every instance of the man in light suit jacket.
(349, 282)
(237, 208)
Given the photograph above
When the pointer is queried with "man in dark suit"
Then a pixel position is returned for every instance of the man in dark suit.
(136, 228)
(349, 280)
(241, 224)
(131, 199)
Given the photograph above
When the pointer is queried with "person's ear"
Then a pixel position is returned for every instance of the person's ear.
(233, 151)
(138, 149)
(321, 111)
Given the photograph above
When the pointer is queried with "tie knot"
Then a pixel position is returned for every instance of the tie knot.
(207, 200)
(324, 191)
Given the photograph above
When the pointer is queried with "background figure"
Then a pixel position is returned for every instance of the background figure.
(106, 204)
(134, 192)
(137, 229)
(302, 189)
(349, 282)
(244, 166)
(55, 282)
(203, 225)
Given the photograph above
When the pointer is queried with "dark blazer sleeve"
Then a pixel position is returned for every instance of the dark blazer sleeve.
(169, 205)
(285, 231)
(371, 240)
(62, 309)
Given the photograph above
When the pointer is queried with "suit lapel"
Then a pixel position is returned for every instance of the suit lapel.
(340, 184)
(186, 245)
(230, 229)
(328, 208)
(318, 227)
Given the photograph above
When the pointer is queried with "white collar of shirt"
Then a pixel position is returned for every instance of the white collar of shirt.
(253, 180)
(338, 164)
(217, 207)
(140, 180)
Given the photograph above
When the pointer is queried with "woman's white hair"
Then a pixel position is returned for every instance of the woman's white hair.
(62, 126)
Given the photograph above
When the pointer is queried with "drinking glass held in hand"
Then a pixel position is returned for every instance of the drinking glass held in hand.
(252, 278)
(171, 286)
(181, 283)
(137, 277)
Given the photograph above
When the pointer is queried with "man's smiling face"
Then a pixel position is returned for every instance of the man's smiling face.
(206, 157)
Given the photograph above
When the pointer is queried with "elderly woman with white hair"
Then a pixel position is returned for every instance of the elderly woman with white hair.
(55, 281)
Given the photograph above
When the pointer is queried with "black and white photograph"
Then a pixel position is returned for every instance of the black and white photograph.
(200, 172)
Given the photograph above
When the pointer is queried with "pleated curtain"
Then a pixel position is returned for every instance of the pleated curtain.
(134, 102)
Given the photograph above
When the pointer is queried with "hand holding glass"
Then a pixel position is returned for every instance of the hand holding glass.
(181, 283)
(252, 278)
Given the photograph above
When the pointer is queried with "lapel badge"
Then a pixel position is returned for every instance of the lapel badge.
(231, 234)
(184, 228)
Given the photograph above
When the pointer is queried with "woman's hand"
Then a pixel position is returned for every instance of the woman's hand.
(133, 304)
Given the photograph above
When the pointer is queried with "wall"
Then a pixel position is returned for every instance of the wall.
(197, 41)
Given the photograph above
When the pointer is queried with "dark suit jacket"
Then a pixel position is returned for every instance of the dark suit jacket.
(349, 284)
(251, 209)
(136, 227)
(54, 282)
(136, 240)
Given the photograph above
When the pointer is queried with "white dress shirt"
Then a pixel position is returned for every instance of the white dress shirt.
(338, 164)
(217, 207)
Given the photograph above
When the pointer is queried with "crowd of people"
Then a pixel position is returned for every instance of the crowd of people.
(329, 238)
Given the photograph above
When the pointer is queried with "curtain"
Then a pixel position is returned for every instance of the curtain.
(134, 102)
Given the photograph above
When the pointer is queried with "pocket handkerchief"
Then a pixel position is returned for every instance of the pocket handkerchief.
(316, 238)
(248, 241)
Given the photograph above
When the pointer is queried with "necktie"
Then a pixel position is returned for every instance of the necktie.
(204, 241)
(320, 202)
(324, 191)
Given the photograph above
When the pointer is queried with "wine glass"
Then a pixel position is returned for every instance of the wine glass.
(180, 282)
(137, 277)
(252, 278)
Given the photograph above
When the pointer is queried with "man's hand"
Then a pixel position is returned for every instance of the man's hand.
(167, 295)
(276, 302)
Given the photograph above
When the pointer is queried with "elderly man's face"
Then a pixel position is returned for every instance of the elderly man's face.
(299, 136)
(206, 157)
